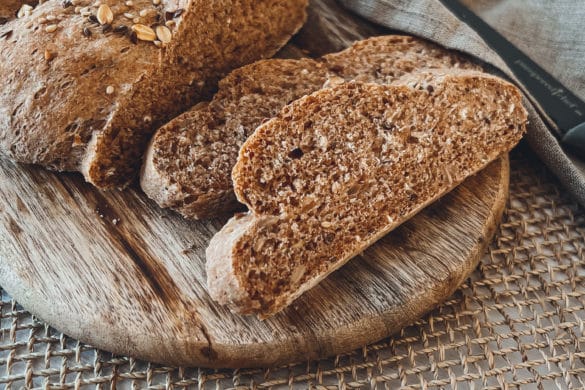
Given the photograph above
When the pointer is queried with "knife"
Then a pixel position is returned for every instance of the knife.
(564, 109)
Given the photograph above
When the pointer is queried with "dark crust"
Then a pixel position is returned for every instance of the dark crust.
(50, 109)
(51, 112)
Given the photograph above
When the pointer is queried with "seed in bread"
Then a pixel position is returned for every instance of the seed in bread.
(56, 115)
(335, 171)
(104, 14)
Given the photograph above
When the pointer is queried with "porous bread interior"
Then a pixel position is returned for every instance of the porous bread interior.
(59, 114)
(337, 169)
(219, 36)
(206, 154)
(207, 139)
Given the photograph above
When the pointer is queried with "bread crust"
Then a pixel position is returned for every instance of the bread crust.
(178, 145)
(267, 89)
(222, 282)
(265, 284)
(90, 98)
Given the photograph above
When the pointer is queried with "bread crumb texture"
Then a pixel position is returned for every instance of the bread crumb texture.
(336, 170)
(60, 58)
(191, 158)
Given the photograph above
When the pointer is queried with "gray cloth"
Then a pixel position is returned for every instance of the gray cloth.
(550, 32)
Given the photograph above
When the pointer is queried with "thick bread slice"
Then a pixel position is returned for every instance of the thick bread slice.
(189, 162)
(338, 169)
(80, 95)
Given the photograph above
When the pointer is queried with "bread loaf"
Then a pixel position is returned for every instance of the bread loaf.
(335, 171)
(188, 164)
(86, 82)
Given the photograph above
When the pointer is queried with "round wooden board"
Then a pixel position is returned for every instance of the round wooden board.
(115, 271)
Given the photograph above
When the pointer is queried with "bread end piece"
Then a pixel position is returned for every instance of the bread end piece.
(70, 111)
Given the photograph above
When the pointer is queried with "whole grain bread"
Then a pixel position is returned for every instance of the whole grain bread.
(188, 164)
(86, 82)
(335, 171)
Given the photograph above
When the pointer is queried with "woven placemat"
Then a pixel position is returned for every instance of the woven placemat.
(519, 321)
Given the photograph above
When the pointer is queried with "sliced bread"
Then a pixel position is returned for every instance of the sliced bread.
(189, 161)
(335, 171)
(85, 83)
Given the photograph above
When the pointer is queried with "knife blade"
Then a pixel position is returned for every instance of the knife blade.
(564, 109)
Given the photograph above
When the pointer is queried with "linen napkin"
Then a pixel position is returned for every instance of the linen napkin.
(551, 33)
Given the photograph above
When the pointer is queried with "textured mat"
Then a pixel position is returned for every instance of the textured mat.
(518, 322)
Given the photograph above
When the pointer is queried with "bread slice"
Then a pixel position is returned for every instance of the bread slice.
(188, 164)
(338, 169)
(96, 85)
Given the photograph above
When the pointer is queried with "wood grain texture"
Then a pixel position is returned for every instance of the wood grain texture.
(117, 272)
(114, 270)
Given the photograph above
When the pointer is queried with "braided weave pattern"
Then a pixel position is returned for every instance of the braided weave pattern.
(517, 322)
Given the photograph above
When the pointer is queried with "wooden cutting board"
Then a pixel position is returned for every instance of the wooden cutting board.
(115, 271)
